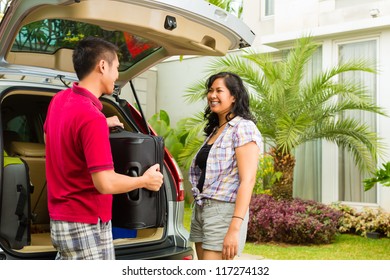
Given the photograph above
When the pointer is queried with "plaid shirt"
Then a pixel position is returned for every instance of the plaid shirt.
(222, 180)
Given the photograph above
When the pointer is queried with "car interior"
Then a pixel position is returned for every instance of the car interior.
(23, 114)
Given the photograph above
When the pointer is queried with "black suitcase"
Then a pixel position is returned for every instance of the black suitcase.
(133, 153)
(15, 206)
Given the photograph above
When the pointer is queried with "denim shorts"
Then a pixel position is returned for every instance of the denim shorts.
(210, 222)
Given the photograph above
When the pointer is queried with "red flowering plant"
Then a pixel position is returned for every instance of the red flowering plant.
(295, 221)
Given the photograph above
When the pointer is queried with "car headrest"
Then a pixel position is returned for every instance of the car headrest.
(27, 149)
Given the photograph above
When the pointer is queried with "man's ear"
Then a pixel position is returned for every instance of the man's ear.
(101, 66)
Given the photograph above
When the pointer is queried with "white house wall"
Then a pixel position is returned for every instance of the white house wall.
(174, 78)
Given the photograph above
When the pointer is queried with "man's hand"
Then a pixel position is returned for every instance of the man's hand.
(114, 121)
(154, 178)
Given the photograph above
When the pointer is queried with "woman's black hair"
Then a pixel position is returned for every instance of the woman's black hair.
(240, 107)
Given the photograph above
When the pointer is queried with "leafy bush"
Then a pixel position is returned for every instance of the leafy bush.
(173, 140)
(266, 176)
(294, 221)
(361, 222)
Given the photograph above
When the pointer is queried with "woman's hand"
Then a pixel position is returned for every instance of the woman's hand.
(230, 242)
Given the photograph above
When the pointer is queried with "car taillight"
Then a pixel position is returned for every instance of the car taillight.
(181, 192)
(178, 180)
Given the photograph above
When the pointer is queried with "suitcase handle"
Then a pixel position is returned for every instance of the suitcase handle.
(133, 172)
(135, 194)
(116, 129)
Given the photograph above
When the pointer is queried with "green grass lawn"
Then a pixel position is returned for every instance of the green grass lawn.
(345, 247)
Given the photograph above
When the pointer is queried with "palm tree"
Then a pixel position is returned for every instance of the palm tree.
(227, 5)
(292, 110)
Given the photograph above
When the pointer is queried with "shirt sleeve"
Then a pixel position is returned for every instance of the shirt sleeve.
(247, 132)
(96, 145)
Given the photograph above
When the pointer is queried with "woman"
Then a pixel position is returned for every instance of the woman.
(223, 172)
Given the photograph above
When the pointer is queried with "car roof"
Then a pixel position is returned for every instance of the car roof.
(37, 37)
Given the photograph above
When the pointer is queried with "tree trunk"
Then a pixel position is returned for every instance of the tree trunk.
(285, 163)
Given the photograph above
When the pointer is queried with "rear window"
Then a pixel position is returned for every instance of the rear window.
(49, 35)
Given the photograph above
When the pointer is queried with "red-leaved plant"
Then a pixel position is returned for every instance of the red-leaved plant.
(294, 221)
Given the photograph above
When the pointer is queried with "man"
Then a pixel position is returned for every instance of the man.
(80, 172)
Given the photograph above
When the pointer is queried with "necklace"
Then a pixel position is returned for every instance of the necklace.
(222, 124)
(218, 127)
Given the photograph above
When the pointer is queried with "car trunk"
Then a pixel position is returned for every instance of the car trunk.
(30, 149)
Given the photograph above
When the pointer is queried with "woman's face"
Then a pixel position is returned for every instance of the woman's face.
(219, 98)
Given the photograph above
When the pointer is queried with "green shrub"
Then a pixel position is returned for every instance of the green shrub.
(172, 138)
(266, 176)
(361, 222)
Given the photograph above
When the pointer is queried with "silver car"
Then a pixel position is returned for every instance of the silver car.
(36, 42)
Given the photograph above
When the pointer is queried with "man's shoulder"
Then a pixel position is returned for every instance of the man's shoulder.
(72, 103)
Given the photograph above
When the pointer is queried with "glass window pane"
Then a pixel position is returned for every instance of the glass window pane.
(308, 165)
(50, 35)
(350, 178)
(269, 8)
(20, 126)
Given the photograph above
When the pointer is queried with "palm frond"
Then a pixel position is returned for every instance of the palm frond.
(194, 138)
(195, 126)
(230, 63)
(330, 79)
(189, 151)
(223, 4)
(355, 137)
(195, 92)
(297, 60)
(289, 132)
(248, 72)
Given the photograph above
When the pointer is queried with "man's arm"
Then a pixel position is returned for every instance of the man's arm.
(110, 182)
(114, 121)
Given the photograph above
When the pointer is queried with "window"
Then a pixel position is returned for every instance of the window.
(49, 35)
(308, 165)
(267, 8)
(350, 178)
(19, 126)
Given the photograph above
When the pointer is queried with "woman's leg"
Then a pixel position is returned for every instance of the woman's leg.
(212, 255)
(199, 250)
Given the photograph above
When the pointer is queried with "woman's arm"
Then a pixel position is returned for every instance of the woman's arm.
(247, 161)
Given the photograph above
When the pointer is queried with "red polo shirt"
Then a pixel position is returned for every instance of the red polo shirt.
(77, 144)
